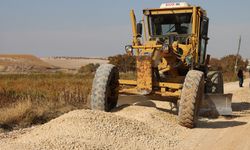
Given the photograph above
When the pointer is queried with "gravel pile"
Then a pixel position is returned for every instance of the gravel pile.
(133, 127)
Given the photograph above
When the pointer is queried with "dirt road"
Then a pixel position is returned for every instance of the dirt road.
(144, 125)
(224, 133)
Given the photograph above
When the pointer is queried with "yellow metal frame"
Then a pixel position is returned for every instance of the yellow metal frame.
(135, 90)
(173, 86)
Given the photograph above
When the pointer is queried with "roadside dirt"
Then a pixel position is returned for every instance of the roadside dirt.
(142, 125)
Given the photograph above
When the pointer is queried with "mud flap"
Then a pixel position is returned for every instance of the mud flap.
(216, 105)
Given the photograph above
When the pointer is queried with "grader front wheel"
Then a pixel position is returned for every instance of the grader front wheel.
(191, 96)
(105, 86)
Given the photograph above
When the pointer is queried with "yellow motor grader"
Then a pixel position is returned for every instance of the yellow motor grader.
(171, 63)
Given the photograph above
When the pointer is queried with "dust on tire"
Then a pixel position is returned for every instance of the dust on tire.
(191, 96)
(105, 88)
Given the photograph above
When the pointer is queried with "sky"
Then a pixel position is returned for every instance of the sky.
(103, 28)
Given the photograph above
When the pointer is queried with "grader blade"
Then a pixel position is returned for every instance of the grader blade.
(218, 104)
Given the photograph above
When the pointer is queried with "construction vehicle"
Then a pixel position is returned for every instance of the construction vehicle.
(171, 63)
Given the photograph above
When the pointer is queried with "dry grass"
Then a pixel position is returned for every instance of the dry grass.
(37, 98)
(27, 99)
(15, 112)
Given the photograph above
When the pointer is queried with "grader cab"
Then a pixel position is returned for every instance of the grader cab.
(171, 63)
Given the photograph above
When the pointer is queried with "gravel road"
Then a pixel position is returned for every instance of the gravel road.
(145, 125)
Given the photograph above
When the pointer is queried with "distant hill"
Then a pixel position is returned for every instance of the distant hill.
(23, 63)
(73, 63)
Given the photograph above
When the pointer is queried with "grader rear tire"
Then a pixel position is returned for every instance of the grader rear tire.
(215, 82)
(191, 96)
(105, 90)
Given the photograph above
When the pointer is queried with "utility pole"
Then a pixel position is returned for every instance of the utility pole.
(237, 56)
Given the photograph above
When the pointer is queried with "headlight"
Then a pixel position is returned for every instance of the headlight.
(129, 49)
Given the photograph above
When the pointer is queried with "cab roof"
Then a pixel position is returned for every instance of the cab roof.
(171, 8)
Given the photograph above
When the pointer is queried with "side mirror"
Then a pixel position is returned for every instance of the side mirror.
(139, 29)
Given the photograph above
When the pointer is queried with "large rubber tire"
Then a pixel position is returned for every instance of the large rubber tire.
(105, 88)
(214, 83)
(191, 97)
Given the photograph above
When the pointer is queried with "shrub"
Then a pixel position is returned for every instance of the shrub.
(89, 68)
(124, 62)
(227, 65)
(215, 64)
